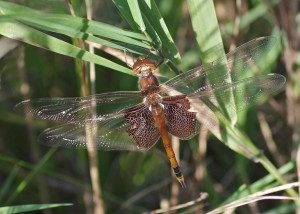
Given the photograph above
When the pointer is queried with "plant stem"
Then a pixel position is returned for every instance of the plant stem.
(98, 204)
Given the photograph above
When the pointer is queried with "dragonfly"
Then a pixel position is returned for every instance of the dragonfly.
(136, 120)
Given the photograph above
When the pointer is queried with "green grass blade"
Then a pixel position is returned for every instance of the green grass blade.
(22, 185)
(47, 25)
(208, 36)
(256, 196)
(240, 143)
(125, 12)
(155, 26)
(136, 14)
(156, 41)
(45, 172)
(168, 47)
(73, 27)
(127, 15)
(263, 183)
(172, 11)
(79, 7)
(5, 187)
(209, 39)
(206, 28)
(34, 37)
(77, 23)
(285, 208)
(62, 22)
(31, 207)
(149, 32)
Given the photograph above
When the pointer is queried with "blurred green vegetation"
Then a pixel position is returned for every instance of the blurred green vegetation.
(134, 182)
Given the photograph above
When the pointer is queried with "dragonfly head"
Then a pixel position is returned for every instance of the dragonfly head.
(143, 67)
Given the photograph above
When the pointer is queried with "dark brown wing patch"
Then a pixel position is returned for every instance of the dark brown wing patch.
(180, 122)
(142, 126)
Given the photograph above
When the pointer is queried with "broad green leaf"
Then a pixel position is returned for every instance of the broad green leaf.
(34, 37)
(30, 207)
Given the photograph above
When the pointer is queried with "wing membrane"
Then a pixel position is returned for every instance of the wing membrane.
(241, 63)
(113, 133)
(78, 109)
(121, 123)
(245, 87)
(247, 92)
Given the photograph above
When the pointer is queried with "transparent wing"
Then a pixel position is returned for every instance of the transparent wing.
(79, 109)
(117, 132)
(243, 62)
(247, 92)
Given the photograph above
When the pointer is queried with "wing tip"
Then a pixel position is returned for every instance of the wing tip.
(280, 80)
(22, 107)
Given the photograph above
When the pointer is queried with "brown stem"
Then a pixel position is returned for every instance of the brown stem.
(287, 17)
(201, 166)
(34, 150)
(174, 187)
(98, 203)
(266, 131)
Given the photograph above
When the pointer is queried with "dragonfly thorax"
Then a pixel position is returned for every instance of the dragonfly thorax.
(152, 99)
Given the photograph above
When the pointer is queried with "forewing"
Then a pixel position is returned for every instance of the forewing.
(113, 133)
(245, 61)
(247, 92)
(79, 109)
(206, 84)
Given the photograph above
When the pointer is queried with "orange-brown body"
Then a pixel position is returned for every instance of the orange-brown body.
(149, 86)
(159, 118)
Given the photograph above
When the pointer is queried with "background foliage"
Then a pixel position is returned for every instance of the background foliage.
(182, 32)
